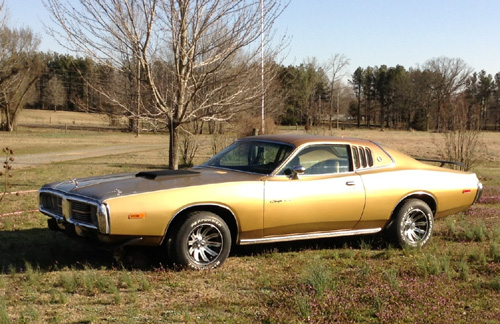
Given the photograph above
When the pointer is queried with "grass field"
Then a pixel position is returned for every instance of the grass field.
(47, 278)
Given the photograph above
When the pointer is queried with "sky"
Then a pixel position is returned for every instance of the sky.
(367, 32)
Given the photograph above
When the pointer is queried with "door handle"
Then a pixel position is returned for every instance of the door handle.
(350, 183)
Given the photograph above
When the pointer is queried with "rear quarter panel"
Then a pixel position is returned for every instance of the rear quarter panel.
(453, 191)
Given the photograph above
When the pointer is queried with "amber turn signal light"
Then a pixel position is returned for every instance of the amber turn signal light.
(136, 216)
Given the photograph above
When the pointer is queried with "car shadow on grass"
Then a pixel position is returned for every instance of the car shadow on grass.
(47, 250)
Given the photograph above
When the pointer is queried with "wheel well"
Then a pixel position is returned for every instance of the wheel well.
(220, 211)
(428, 199)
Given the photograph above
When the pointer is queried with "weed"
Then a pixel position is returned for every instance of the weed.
(478, 255)
(86, 280)
(125, 280)
(4, 317)
(392, 278)
(104, 284)
(187, 316)
(302, 303)
(69, 282)
(364, 270)
(494, 233)
(365, 244)
(143, 282)
(494, 284)
(30, 315)
(6, 173)
(132, 297)
(347, 253)
(435, 265)
(319, 276)
(463, 269)
(479, 231)
(32, 275)
(451, 227)
(408, 251)
(57, 297)
(117, 297)
(495, 251)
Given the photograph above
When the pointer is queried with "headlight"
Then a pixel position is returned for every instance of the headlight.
(103, 218)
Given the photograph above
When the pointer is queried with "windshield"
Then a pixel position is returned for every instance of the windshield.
(251, 156)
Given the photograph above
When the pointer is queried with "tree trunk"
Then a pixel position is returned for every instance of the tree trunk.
(173, 156)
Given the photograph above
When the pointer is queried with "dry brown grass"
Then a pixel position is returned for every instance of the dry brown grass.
(50, 117)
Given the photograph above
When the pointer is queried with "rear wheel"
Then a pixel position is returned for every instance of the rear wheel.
(414, 224)
(203, 241)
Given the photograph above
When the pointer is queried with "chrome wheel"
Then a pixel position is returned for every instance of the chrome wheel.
(205, 244)
(413, 224)
(416, 226)
(202, 241)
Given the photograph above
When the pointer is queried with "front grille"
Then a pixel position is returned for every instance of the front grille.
(80, 211)
(51, 203)
(83, 212)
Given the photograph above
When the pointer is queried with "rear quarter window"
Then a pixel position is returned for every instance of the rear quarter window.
(366, 157)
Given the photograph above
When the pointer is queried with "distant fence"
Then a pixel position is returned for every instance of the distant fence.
(77, 127)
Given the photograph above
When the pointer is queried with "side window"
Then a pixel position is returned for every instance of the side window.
(258, 157)
(322, 159)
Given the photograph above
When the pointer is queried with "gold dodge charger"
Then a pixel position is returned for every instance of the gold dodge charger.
(263, 189)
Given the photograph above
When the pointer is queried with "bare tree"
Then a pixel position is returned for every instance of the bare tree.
(3, 14)
(207, 49)
(335, 67)
(452, 76)
(56, 94)
(462, 138)
(20, 68)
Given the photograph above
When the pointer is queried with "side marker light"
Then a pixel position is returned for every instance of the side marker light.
(137, 216)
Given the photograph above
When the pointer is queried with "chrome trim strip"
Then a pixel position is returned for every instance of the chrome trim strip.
(479, 192)
(48, 213)
(201, 204)
(422, 193)
(309, 236)
(383, 150)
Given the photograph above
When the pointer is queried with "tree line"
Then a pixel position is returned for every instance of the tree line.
(429, 97)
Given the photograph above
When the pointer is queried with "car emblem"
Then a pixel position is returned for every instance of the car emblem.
(75, 182)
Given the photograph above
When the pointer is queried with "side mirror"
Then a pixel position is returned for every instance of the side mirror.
(294, 173)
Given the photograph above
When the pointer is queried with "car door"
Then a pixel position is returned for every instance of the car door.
(327, 197)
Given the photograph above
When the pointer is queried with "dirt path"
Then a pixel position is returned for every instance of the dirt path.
(30, 160)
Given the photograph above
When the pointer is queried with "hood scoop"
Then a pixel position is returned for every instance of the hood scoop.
(152, 175)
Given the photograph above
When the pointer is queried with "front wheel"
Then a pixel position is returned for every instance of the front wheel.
(203, 241)
(413, 224)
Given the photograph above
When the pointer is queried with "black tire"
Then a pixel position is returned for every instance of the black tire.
(413, 224)
(203, 241)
